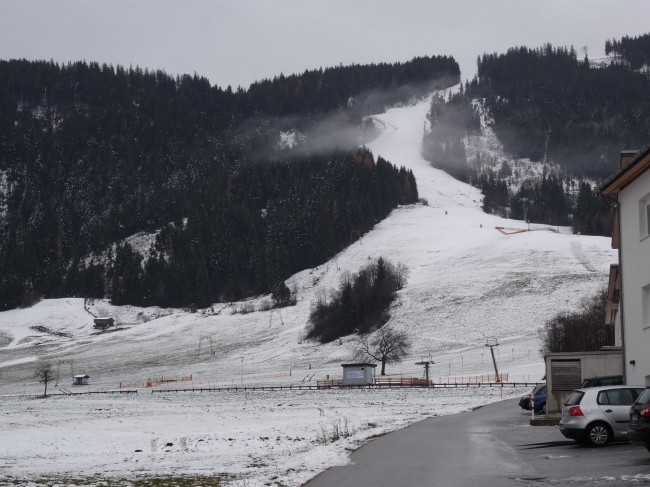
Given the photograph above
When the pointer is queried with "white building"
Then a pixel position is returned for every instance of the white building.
(629, 288)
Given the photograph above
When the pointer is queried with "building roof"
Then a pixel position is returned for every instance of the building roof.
(357, 365)
(85, 376)
(632, 169)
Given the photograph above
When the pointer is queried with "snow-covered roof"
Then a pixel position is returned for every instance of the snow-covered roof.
(85, 376)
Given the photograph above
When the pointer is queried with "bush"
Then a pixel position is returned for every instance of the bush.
(243, 308)
(265, 305)
(282, 296)
(361, 303)
(581, 331)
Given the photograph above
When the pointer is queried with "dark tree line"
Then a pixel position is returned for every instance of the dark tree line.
(635, 50)
(94, 153)
(361, 303)
(255, 230)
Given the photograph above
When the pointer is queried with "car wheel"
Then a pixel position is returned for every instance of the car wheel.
(544, 408)
(598, 434)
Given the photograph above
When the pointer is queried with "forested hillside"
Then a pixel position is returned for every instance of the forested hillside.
(549, 105)
(91, 154)
(634, 50)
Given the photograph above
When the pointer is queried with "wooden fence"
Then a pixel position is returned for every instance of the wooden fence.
(404, 381)
(499, 385)
(313, 387)
(183, 381)
(473, 379)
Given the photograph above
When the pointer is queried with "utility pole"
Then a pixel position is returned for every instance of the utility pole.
(494, 361)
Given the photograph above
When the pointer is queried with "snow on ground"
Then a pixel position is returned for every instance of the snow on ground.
(468, 282)
(282, 437)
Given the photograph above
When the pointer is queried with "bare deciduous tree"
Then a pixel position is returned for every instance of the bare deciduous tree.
(44, 373)
(386, 346)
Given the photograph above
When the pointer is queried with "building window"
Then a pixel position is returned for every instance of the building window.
(645, 302)
(644, 216)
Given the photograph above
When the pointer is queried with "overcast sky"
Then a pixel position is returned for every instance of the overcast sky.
(237, 42)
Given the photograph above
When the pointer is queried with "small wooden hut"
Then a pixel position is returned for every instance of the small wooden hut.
(81, 380)
(104, 323)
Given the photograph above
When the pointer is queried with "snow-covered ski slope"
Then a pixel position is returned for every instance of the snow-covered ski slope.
(468, 282)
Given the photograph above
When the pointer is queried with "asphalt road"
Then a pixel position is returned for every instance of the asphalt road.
(491, 446)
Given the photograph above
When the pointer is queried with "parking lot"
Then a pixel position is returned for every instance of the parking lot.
(491, 446)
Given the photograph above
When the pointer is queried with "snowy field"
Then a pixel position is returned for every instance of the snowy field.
(282, 437)
(468, 282)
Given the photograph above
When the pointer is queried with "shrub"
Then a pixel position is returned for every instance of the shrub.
(581, 331)
(361, 303)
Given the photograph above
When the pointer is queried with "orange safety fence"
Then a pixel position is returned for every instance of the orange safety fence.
(188, 380)
(510, 231)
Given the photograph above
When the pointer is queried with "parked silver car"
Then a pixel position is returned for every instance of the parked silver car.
(598, 415)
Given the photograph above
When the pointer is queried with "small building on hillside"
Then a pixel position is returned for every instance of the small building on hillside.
(629, 283)
(81, 380)
(104, 323)
(358, 374)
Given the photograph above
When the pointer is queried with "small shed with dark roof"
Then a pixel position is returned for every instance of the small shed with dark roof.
(104, 323)
(81, 380)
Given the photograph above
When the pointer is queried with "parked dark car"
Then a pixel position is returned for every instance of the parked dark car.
(539, 392)
(638, 431)
(538, 398)
(608, 380)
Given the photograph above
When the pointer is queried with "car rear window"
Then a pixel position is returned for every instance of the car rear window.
(617, 380)
(644, 398)
(574, 399)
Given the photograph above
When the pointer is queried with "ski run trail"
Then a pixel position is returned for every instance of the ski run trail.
(468, 283)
